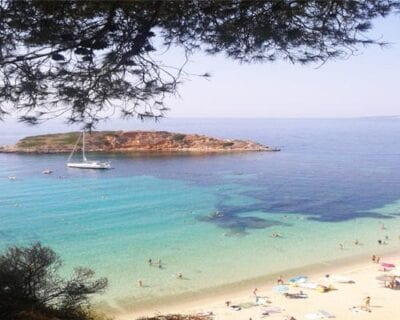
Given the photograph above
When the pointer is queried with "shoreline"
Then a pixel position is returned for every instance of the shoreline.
(142, 151)
(212, 299)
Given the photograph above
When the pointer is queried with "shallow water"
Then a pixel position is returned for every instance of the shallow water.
(211, 217)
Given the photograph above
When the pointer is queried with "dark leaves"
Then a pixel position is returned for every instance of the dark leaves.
(82, 51)
(29, 282)
(57, 57)
(31, 120)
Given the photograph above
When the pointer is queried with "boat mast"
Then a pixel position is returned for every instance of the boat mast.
(73, 150)
(83, 146)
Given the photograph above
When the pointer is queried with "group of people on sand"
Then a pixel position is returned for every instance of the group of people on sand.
(366, 304)
(375, 259)
(393, 283)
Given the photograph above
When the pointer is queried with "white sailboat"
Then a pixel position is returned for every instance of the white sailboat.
(85, 163)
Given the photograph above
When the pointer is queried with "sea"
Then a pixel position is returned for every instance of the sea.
(210, 217)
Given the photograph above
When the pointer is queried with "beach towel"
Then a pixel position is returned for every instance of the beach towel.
(271, 310)
(320, 314)
(298, 279)
(326, 314)
(341, 279)
(313, 316)
(261, 301)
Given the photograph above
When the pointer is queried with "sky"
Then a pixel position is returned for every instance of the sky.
(362, 86)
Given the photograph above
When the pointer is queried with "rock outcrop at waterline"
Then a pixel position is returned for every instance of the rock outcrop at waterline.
(142, 141)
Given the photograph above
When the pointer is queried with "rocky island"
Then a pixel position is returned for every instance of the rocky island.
(132, 141)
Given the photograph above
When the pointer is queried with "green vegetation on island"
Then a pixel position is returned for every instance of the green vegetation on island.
(127, 141)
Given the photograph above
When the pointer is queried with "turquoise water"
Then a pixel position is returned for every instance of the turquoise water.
(333, 182)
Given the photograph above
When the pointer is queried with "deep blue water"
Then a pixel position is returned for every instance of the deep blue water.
(330, 170)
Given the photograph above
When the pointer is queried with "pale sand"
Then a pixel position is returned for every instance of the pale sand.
(385, 302)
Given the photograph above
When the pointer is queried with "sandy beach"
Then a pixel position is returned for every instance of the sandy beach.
(343, 302)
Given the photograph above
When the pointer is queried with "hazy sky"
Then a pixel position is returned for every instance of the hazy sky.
(364, 85)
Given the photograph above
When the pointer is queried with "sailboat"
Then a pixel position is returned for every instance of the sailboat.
(85, 163)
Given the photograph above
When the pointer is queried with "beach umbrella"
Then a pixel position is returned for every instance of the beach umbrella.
(298, 279)
(387, 265)
(281, 288)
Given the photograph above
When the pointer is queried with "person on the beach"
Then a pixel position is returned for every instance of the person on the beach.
(356, 242)
(392, 283)
(341, 246)
(367, 303)
(373, 258)
(159, 263)
(279, 280)
(378, 259)
(255, 292)
(140, 283)
(150, 262)
(180, 276)
(227, 303)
